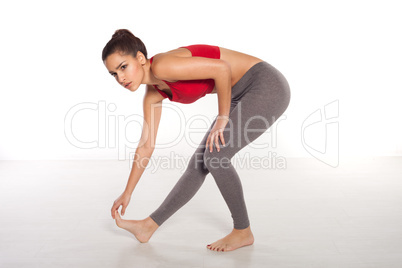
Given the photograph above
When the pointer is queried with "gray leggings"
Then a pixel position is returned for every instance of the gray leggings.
(259, 98)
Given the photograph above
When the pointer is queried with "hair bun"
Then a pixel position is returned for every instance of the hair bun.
(123, 41)
(121, 33)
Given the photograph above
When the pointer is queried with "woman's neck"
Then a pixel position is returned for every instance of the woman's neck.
(149, 77)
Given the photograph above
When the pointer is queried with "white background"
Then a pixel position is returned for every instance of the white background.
(344, 51)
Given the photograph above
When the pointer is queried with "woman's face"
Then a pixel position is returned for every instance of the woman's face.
(126, 69)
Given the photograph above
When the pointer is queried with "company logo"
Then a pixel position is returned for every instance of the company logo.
(320, 134)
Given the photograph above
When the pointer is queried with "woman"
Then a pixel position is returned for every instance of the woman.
(251, 93)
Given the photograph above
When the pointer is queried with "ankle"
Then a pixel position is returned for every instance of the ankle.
(150, 223)
(245, 230)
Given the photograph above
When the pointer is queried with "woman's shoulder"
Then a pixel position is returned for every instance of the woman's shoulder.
(162, 62)
(187, 51)
(177, 52)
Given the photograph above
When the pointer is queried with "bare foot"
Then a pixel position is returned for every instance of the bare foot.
(234, 240)
(142, 230)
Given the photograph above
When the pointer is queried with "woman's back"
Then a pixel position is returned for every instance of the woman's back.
(240, 62)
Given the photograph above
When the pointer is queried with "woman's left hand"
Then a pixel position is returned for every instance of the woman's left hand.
(217, 132)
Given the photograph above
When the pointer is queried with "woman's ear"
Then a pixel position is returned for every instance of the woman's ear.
(141, 58)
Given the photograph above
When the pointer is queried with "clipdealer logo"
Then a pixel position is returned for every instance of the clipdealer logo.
(112, 129)
(320, 134)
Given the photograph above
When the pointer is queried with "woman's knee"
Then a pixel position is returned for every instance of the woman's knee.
(216, 160)
(197, 163)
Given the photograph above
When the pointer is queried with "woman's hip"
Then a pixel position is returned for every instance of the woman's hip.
(262, 83)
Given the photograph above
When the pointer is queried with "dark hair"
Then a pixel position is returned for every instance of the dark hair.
(124, 41)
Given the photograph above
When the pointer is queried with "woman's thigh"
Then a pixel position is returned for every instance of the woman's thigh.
(256, 109)
(259, 98)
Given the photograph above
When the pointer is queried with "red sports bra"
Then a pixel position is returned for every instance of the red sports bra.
(188, 91)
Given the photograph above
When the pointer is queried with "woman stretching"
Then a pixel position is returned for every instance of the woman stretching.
(251, 93)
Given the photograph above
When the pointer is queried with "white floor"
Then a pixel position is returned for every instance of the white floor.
(57, 214)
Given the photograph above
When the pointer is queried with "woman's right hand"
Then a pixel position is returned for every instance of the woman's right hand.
(123, 200)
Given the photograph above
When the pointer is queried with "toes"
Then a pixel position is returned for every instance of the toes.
(215, 247)
(117, 217)
(218, 248)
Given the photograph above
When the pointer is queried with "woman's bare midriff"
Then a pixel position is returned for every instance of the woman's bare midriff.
(240, 63)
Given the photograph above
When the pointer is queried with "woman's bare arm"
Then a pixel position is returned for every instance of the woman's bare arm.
(152, 105)
(152, 114)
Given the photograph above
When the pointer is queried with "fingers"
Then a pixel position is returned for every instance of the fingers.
(113, 212)
(217, 142)
(117, 216)
(211, 139)
(114, 209)
(214, 137)
(123, 210)
(209, 142)
(222, 138)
